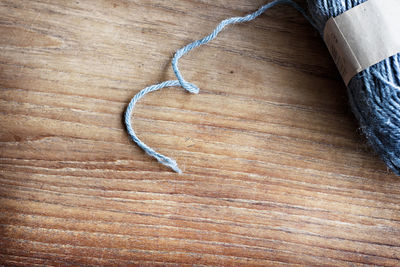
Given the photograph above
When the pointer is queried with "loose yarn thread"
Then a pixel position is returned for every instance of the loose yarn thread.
(186, 85)
(374, 93)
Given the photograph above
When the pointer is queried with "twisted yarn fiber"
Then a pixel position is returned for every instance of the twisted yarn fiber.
(191, 88)
(374, 93)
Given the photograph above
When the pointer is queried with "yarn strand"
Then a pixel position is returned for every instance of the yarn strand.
(187, 85)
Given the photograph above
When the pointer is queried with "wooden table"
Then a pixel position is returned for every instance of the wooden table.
(276, 170)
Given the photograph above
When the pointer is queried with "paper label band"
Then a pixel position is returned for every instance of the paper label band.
(363, 36)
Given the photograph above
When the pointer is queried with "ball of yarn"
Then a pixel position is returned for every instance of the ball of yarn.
(374, 93)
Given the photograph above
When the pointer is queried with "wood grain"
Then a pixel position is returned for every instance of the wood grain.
(276, 171)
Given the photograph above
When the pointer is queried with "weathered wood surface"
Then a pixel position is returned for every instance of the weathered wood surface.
(276, 171)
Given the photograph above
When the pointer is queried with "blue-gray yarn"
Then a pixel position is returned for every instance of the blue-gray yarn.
(186, 85)
(374, 93)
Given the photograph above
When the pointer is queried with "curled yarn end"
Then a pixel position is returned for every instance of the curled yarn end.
(191, 88)
(170, 163)
(128, 114)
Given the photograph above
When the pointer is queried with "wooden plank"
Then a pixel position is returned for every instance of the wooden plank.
(275, 169)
